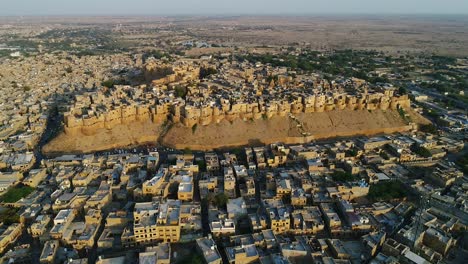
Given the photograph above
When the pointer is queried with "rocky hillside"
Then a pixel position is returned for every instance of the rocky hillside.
(301, 128)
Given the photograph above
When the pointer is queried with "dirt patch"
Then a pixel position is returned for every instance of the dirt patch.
(136, 133)
(417, 118)
(229, 134)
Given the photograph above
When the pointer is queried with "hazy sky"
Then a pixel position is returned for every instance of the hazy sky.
(174, 7)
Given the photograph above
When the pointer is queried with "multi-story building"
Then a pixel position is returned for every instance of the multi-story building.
(220, 224)
(101, 197)
(35, 177)
(278, 215)
(157, 222)
(212, 161)
(80, 235)
(229, 182)
(307, 221)
(8, 235)
(332, 220)
(160, 254)
(49, 252)
(184, 163)
(247, 188)
(185, 189)
(298, 197)
(207, 247)
(158, 185)
(40, 225)
(283, 188)
(373, 242)
(242, 254)
(207, 184)
(63, 219)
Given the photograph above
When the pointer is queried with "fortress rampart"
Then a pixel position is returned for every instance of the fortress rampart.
(190, 115)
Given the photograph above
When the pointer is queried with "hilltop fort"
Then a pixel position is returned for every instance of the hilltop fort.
(190, 94)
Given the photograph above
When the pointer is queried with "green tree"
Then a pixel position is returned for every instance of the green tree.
(221, 199)
(187, 150)
(201, 165)
(180, 91)
(340, 176)
(386, 191)
(402, 90)
(9, 216)
(428, 128)
(421, 151)
(108, 83)
(205, 72)
(15, 193)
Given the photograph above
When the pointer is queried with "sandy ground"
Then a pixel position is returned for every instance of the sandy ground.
(393, 34)
(120, 136)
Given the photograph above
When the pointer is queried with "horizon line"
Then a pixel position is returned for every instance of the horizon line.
(290, 14)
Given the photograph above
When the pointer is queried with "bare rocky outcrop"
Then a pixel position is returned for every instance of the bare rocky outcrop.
(284, 129)
(121, 135)
(336, 123)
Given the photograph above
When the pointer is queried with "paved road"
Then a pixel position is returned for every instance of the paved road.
(457, 103)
